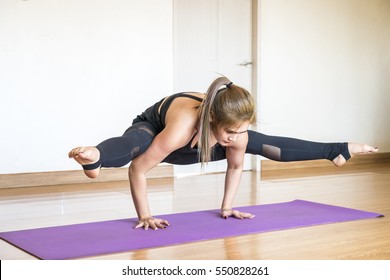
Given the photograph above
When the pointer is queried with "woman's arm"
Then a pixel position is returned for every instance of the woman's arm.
(174, 136)
(235, 161)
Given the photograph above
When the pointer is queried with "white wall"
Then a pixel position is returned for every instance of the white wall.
(324, 70)
(75, 72)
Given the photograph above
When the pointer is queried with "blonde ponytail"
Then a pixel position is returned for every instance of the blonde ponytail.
(204, 149)
(228, 106)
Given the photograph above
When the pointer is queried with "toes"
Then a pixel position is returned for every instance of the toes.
(369, 149)
(74, 152)
(85, 155)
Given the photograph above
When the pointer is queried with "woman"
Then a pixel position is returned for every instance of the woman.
(186, 128)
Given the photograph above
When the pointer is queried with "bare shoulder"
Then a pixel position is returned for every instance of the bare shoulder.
(184, 111)
(241, 144)
(235, 153)
(181, 122)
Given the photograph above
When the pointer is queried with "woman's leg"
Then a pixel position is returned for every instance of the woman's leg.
(291, 149)
(115, 152)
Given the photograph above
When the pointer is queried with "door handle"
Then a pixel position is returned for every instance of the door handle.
(246, 63)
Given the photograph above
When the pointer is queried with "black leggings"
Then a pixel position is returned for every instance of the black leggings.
(119, 151)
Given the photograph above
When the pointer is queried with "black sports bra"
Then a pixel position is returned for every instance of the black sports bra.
(168, 101)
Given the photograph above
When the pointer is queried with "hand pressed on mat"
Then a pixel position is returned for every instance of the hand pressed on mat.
(225, 213)
(153, 223)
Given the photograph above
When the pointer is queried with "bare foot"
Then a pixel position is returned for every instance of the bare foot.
(354, 149)
(86, 155)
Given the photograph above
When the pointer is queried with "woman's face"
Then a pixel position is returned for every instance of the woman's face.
(227, 136)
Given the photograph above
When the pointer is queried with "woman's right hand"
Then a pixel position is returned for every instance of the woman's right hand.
(153, 223)
(225, 213)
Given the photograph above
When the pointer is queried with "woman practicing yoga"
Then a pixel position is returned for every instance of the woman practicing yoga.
(191, 127)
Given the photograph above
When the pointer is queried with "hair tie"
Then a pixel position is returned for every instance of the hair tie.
(229, 85)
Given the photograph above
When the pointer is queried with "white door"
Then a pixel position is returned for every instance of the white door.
(211, 38)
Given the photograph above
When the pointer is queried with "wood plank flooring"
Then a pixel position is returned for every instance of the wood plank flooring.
(366, 189)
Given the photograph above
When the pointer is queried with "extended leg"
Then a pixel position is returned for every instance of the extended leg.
(291, 149)
(115, 152)
(119, 151)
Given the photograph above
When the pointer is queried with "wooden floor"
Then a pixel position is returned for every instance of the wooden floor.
(368, 189)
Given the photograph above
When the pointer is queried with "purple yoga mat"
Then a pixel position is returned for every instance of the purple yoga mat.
(98, 238)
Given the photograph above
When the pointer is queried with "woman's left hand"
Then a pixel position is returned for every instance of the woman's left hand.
(226, 213)
(153, 223)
